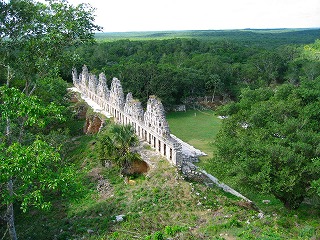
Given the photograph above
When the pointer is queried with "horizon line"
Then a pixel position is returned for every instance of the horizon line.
(227, 29)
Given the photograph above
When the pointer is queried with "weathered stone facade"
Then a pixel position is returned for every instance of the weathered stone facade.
(150, 125)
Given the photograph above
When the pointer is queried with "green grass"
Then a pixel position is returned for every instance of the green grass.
(198, 128)
(160, 205)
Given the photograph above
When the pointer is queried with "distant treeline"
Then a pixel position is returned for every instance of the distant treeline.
(180, 68)
(259, 37)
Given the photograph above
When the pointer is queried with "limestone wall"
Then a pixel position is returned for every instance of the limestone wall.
(150, 125)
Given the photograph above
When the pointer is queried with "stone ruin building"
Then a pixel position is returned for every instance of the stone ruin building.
(150, 125)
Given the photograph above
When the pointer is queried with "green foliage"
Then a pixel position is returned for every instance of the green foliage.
(34, 167)
(157, 236)
(174, 70)
(52, 90)
(182, 69)
(307, 232)
(35, 36)
(29, 166)
(312, 51)
(258, 37)
(214, 84)
(173, 230)
(115, 143)
(270, 141)
(169, 231)
(315, 184)
(25, 111)
(155, 204)
(36, 170)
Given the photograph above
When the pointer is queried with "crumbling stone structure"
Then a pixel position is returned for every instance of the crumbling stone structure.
(150, 125)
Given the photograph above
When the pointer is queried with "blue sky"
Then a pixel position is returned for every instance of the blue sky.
(153, 15)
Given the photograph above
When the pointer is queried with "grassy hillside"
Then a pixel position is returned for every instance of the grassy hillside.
(157, 205)
(160, 203)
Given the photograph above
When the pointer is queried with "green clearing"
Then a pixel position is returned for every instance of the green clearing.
(198, 128)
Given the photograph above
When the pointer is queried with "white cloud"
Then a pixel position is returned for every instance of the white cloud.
(139, 15)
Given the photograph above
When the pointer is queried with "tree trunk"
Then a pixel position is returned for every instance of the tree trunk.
(8, 76)
(10, 214)
(214, 93)
(8, 132)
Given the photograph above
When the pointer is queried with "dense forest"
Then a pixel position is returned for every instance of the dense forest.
(270, 92)
(267, 86)
(268, 38)
(276, 90)
(180, 69)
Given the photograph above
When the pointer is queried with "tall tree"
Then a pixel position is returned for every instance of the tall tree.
(214, 85)
(271, 140)
(33, 40)
(28, 168)
(34, 36)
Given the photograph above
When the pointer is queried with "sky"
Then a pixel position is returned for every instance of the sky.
(161, 15)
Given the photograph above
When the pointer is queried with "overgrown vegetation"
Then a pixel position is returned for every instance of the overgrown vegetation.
(179, 70)
(159, 204)
(115, 143)
(270, 141)
(33, 41)
(268, 147)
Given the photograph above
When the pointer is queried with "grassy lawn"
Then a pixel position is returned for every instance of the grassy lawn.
(198, 128)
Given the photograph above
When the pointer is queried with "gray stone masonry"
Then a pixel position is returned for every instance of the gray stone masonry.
(151, 125)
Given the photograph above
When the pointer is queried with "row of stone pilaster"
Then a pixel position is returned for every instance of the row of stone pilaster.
(150, 125)
(154, 117)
